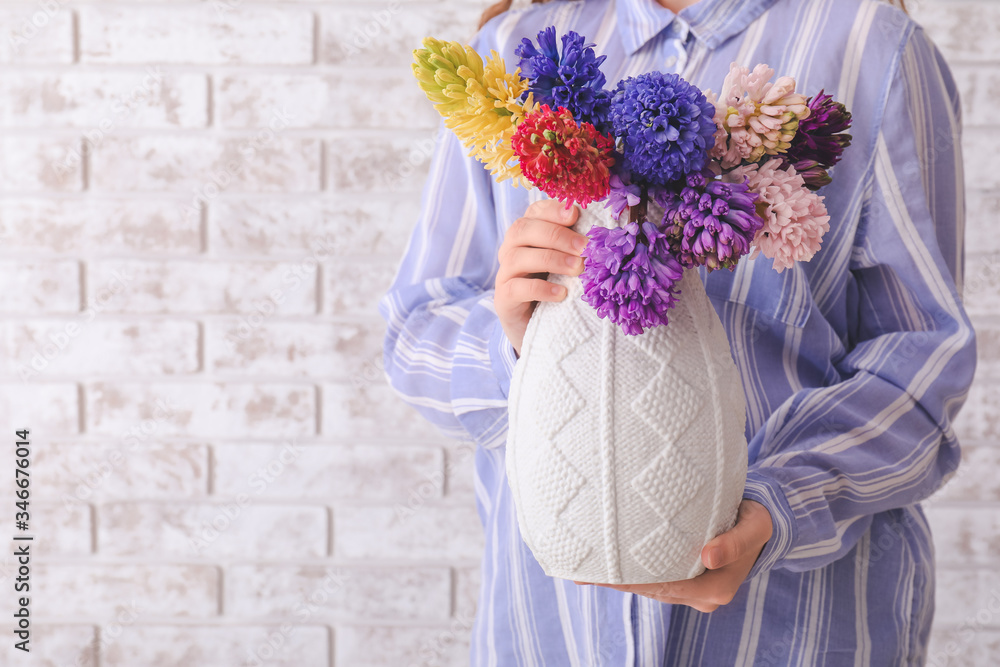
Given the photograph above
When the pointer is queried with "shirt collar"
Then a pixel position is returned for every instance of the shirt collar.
(711, 21)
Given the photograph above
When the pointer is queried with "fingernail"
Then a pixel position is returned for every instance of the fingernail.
(556, 290)
(579, 243)
(572, 262)
(714, 556)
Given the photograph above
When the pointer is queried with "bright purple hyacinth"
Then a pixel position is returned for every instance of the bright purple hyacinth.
(573, 80)
(624, 193)
(709, 222)
(629, 275)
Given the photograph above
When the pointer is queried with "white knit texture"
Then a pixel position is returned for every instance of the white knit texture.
(625, 454)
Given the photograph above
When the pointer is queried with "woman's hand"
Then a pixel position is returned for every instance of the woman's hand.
(539, 243)
(728, 557)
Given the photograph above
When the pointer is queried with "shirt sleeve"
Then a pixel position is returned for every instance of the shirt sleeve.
(445, 352)
(883, 437)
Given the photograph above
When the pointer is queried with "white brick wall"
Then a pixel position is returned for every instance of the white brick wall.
(190, 258)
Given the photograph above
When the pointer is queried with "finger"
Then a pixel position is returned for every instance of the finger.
(660, 593)
(537, 233)
(712, 587)
(524, 290)
(526, 261)
(724, 549)
(753, 527)
(553, 210)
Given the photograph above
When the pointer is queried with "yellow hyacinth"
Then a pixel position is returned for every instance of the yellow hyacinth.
(479, 102)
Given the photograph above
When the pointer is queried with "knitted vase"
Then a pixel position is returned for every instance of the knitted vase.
(625, 454)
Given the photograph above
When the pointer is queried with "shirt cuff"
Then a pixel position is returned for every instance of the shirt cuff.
(502, 357)
(767, 492)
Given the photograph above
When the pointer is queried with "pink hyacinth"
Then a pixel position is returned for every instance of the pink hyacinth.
(795, 218)
(755, 116)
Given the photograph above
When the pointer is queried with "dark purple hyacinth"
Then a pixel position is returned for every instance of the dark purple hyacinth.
(573, 79)
(709, 222)
(665, 124)
(629, 275)
(820, 140)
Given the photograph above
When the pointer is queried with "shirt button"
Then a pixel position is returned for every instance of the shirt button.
(671, 61)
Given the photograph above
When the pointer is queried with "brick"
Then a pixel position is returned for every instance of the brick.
(978, 146)
(260, 289)
(961, 594)
(981, 295)
(165, 646)
(307, 349)
(988, 348)
(958, 647)
(349, 226)
(345, 295)
(131, 468)
(418, 532)
(460, 460)
(44, 408)
(97, 225)
(963, 30)
(312, 593)
(55, 646)
(421, 532)
(379, 164)
(77, 347)
(203, 168)
(980, 235)
(202, 410)
(37, 287)
(32, 35)
(123, 590)
(975, 479)
(980, 416)
(63, 529)
(347, 100)
(202, 35)
(443, 646)
(40, 164)
(965, 535)
(372, 409)
(231, 528)
(104, 102)
(384, 34)
(325, 472)
(979, 87)
(467, 582)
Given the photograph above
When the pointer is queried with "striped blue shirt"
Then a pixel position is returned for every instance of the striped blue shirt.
(854, 365)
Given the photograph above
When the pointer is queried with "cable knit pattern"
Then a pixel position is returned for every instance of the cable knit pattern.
(625, 454)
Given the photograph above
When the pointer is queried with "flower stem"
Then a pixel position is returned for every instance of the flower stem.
(637, 213)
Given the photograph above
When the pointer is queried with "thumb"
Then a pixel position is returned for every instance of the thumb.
(728, 547)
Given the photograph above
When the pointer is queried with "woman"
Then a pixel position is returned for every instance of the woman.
(854, 364)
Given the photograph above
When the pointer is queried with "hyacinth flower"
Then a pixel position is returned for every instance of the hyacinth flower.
(564, 159)
(571, 79)
(480, 102)
(629, 275)
(755, 116)
(664, 124)
(623, 192)
(820, 141)
(710, 223)
(795, 218)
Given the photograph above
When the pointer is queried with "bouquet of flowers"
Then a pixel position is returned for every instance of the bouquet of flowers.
(625, 448)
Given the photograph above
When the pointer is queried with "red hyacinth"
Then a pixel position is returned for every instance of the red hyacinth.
(564, 159)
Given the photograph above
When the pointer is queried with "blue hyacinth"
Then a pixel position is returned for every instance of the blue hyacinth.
(665, 125)
(573, 79)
